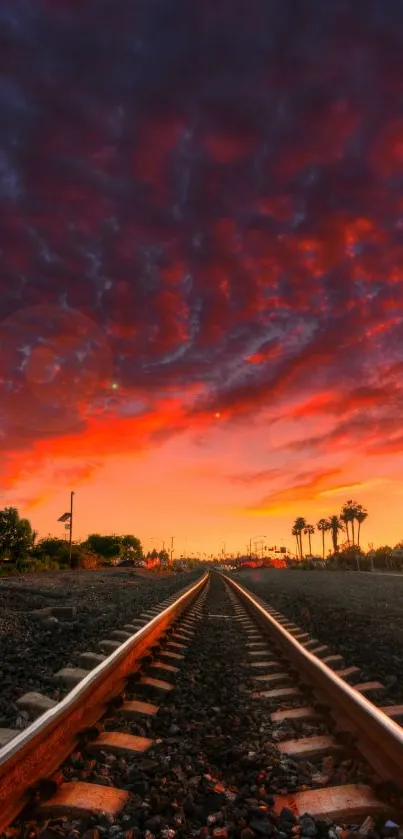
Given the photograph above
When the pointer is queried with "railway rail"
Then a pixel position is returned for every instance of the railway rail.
(310, 716)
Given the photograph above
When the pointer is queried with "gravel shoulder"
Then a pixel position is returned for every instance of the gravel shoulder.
(359, 616)
(32, 651)
(213, 767)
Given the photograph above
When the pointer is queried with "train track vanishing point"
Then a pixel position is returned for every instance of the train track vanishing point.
(292, 676)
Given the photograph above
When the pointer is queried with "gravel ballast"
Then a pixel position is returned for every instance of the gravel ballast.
(359, 615)
(90, 604)
(215, 766)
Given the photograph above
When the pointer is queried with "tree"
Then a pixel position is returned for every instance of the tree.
(16, 535)
(361, 515)
(52, 547)
(383, 556)
(299, 525)
(295, 533)
(351, 554)
(105, 546)
(323, 526)
(344, 518)
(309, 530)
(348, 516)
(335, 525)
(133, 544)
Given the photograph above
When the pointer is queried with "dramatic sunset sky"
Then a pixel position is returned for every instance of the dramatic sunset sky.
(201, 251)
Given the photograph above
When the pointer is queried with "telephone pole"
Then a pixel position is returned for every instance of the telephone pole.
(172, 548)
(71, 525)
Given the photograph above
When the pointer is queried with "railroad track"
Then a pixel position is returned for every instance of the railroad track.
(212, 719)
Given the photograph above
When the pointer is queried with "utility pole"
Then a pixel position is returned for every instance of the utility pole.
(172, 547)
(71, 525)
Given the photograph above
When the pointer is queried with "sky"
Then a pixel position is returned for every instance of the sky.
(201, 253)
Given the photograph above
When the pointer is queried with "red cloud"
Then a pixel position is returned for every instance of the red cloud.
(387, 152)
(326, 134)
(226, 217)
(227, 148)
(266, 353)
(153, 145)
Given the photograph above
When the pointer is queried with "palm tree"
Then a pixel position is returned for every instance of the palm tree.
(299, 525)
(348, 515)
(360, 515)
(309, 530)
(345, 520)
(335, 524)
(295, 533)
(323, 525)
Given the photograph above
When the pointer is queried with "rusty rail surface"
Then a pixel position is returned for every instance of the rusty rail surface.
(378, 738)
(36, 753)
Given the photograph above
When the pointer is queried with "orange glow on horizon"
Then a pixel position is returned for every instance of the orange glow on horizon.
(201, 308)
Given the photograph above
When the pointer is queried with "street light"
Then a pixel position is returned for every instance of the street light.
(71, 526)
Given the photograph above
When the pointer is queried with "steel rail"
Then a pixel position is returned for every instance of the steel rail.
(377, 737)
(37, 752)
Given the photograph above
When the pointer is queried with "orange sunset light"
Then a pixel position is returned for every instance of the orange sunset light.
(201, 310)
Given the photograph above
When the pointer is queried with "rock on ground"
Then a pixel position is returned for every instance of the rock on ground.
(32, 649)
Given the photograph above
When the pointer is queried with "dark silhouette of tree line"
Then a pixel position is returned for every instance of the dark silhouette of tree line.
(19, 546)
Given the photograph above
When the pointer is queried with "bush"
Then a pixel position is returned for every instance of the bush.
(29, 565)
(45, 562)
(85, 559)
(53, 554)
(7, 570)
